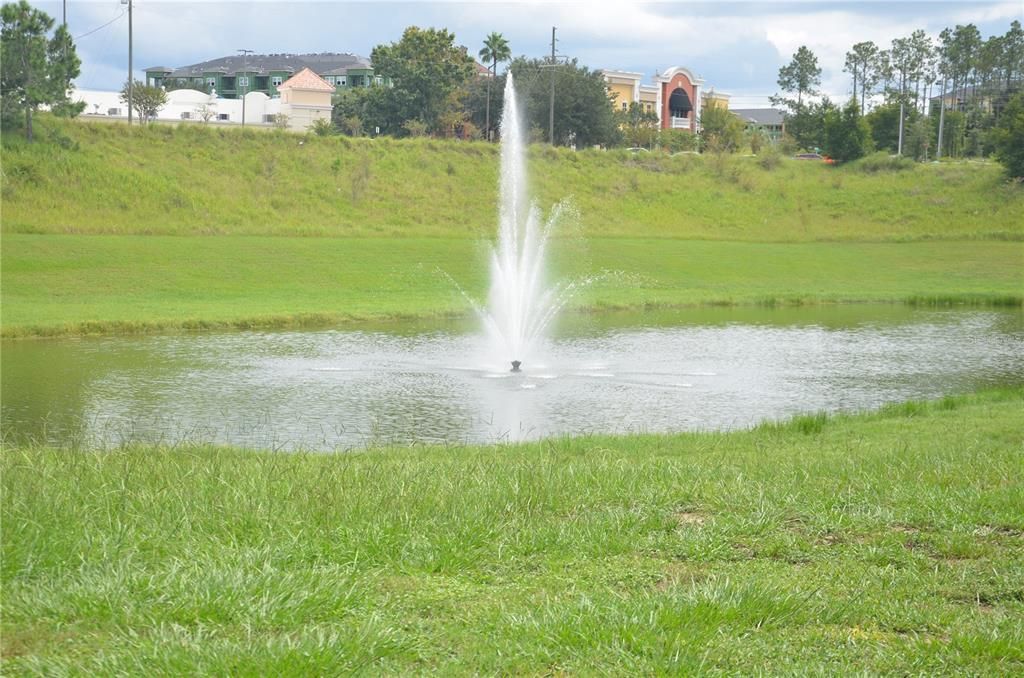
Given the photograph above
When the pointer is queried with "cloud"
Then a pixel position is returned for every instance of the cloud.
(737, 47)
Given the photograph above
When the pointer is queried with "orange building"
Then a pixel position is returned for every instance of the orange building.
(677, 96)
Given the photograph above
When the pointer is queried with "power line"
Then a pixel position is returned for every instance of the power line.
(87, 34)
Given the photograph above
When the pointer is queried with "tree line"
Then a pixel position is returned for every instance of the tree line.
(957, 96)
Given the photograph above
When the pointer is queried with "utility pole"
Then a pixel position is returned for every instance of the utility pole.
(551, 110)
(131, 78)
(245, 74)
(899, 144)
(942, 117)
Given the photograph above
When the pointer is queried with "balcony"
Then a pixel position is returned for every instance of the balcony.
(680, 123)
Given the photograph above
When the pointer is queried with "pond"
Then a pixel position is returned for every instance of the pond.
(433, 382)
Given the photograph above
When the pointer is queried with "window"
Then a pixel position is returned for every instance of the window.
(223, 116)
(186, 115)
(113, 111)
(270, 119)
(198, 81)
(276, 81)
(243, 81)
(624, 106)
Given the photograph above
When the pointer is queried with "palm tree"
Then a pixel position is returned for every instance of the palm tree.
(495, 49)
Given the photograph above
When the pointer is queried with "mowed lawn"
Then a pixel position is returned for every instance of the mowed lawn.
(55, 284)
(883, 543)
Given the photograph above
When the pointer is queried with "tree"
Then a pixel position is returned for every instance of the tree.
(847, 135)
(33, 70)
(495, 49)
(801, 75)
(862, 64)
(638, 125)
(721, 130)
(1008, 137)
(424, 67)
(583, 115)
(807, 124)
(146, 100)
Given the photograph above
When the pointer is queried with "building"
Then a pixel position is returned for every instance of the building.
(231, 76)
(305, 98)
(771, 121)
(676, 96)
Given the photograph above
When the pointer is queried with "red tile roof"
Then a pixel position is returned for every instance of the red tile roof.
(308, 80)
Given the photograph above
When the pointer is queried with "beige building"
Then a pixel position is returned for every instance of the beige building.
(305, 98)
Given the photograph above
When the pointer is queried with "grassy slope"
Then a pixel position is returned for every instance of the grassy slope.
(61, 283)
(665, 231)
(879, 543)
(193, 180)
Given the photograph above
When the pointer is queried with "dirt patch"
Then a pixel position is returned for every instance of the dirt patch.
(689, 518)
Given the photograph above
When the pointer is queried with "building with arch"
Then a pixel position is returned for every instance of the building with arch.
(677, 96)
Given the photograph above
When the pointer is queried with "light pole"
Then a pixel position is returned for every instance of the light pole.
(245, 74)
(131, 79)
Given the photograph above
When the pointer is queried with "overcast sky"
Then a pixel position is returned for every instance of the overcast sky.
(737, 47)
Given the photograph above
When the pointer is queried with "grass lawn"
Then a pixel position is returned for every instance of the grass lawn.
(889, 542)
(55, 284)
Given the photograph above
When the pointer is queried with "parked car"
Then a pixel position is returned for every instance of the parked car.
(815, 156)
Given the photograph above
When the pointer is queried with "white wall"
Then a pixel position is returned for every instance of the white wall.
(184, 101)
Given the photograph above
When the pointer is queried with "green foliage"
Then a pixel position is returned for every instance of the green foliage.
(1008, 137)
(424, 67)
(639, 126)
(494, 51)
(34, 70)
(322, 127)
(839, 545)
(678, 141)
(582, 114)
(806, 123)
(884, 122)
(721, 130)
(415, 128)
(146, 100)
(883, 162)
(847, 134)
(801, 75)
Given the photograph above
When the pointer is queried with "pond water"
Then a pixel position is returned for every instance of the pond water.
(434, 382)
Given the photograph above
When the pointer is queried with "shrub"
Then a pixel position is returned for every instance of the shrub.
(770, 159)
(322, 127)
(883, 162)
(415, 128)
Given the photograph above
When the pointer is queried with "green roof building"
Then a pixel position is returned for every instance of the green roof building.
(233, 76)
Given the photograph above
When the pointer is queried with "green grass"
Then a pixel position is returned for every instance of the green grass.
(106, 178)
(59, 284)
(881, 543)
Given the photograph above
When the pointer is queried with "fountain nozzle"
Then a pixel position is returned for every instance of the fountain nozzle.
(515, 366)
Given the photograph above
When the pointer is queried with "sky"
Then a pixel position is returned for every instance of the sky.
(737, 47)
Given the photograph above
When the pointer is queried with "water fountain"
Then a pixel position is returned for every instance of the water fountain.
(521, 303)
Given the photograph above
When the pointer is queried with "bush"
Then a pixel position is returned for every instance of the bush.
(677, 140)
(770, 159)
(415, 128)
(883, 162)
(322, 127)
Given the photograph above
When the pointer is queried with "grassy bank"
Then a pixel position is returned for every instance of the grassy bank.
(882, 543)
(106, 178)
(66, 284)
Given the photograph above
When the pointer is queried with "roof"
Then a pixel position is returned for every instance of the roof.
(327, 63)
(307, 80)
(760, 116)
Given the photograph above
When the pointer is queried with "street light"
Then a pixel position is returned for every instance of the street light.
(131, 79)
(245, 74)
